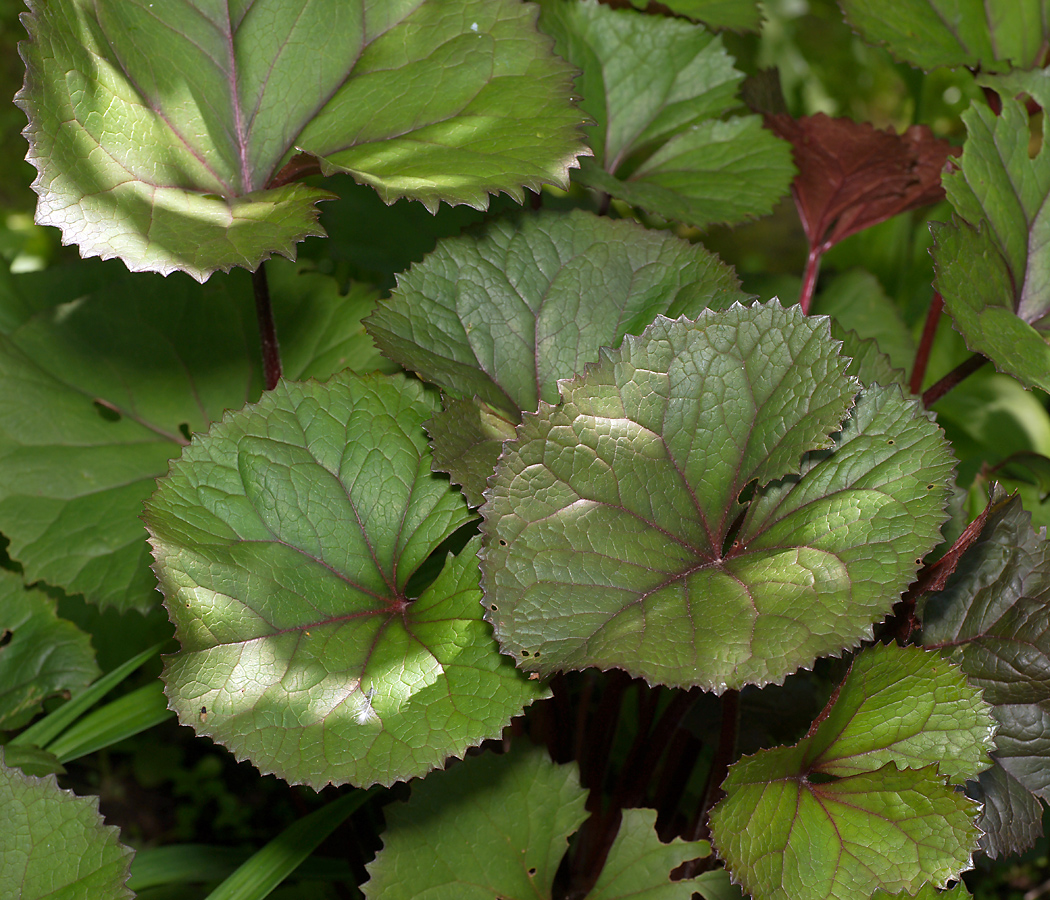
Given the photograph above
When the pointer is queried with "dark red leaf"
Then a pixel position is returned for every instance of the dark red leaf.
(852, 175)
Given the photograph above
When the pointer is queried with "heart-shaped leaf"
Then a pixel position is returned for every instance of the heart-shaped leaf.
(991, 619)
(497, 320)
(42, 654)
(285, 543)
(991, 262)
(165, 134)
(660, 91)
(974, 33)
(98, 393)
(491, 826)
(836, 816)
(620, 528)
(53, 843)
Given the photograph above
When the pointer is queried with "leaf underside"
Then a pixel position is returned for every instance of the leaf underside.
(160, 131)
(616, 535)
(660, 92)
(842, 813)
(496, 320)
(285, 541)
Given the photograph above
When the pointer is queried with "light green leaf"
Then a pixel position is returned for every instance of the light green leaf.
(740, 15)
(161, 134)
(285, 540)
(836, 816)
(639, 864)
(42, 656)
(100, 392)
(489, 826)
(619, 529)
(53, 843)
(660, 90)
(927, 892)
(974, 33)
(499, 318)
(991, 263)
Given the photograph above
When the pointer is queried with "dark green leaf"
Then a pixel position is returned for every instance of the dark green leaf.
(284, 541)
(991, 262)
(1011, 815)
(619, 531)
(836, 816)
(991, 619)
(32, 760)
(54, 844)
(500, 318)
(659, 90)
(975, 33)
(740, 15)
(162, 135)
(42, 655)
(100, 392)
(491, 826)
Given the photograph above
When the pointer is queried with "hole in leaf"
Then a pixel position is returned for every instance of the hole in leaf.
(524, 652)
(184, 430)
(503, 543)
(891, 441)
(493, 607)
(532, 872)
(5, 638)
(106, 412)
(930, 487)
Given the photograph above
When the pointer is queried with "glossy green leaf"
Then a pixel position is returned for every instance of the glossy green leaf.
(42, 655)
(1011, 815)
(991, 263)
(740, 15)
(284, 541)
(660, 91)
(489, 826)
(991, 619)
(619, 530)
(162, 135)
(499, 318)
(639, 864)
(975, 33)
(53, 843)
(100, 392)
(839, 815)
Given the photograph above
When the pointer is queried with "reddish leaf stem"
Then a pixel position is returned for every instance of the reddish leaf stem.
(929, 331)
(271, 352)
(809, 278)
(954, 377)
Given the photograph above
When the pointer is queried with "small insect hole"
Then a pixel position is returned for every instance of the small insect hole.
(493, 607)
(503, 543)
(184, 430)
(532, 872)
(930, 487)
(891, 441)
(5, 637)
(106, 412)
(524, 652)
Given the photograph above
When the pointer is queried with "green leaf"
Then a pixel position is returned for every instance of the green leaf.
(489, 826)
(1011, 815)
(837, 815)
(660, 91)
(927, 892)
(100, 392)
(739, 15)
(990, 618)
(974, 33)
(991, 262)
(284, 542)
(639, 864)
(33, 760)
(271, 865)
(53, 843)
(163, 136)
(501, 317)
(42, 655)
(625, 509)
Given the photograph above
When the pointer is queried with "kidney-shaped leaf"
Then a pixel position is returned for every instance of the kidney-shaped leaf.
(97, 394)
(615, 530)
(991, 617)
(836, 816)
(162, 132)
(499, 318)
(931, 33)
(55, 844)
(284, 541)
(991, 262)
(660, 90)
